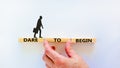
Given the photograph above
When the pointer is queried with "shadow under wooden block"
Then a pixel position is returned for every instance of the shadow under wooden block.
(35, 47)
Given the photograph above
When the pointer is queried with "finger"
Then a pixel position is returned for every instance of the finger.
(70, 52)
(48, 61)
(50, 52)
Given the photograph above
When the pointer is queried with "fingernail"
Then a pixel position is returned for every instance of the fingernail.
(53, 47)
(68, 42)
(45, 43)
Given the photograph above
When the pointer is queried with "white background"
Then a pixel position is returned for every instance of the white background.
(61, 18)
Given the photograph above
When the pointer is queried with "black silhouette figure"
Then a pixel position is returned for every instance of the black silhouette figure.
(38, 28)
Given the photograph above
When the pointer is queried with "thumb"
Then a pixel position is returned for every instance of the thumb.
(69, 51)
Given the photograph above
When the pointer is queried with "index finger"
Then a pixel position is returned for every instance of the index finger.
(53, 55)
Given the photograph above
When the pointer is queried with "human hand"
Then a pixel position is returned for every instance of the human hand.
(55, 60)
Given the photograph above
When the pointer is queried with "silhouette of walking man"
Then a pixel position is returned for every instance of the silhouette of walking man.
(38, 28)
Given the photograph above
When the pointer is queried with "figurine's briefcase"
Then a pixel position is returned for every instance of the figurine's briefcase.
(35, 30)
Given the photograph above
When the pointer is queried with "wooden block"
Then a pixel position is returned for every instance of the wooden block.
(59, 40)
